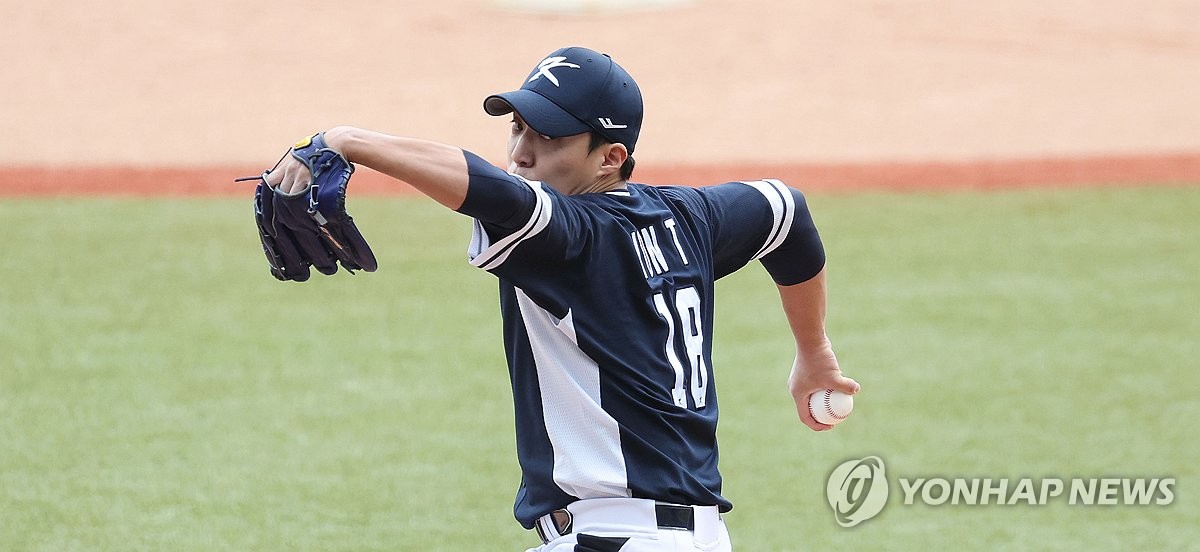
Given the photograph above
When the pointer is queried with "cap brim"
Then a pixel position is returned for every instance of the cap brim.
(541, 114)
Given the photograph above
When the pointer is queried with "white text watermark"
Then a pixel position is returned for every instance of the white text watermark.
(858, 491)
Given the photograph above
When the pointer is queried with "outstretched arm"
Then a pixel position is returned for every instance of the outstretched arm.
(815, 367)
(437, 170)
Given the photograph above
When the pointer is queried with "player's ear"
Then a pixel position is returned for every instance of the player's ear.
(614, 156)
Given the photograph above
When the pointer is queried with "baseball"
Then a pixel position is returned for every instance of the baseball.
(830, 407)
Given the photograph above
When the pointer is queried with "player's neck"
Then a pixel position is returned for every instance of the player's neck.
(608, 184)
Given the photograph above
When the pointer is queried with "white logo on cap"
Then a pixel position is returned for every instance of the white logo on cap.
(608, 123)
(549, 63)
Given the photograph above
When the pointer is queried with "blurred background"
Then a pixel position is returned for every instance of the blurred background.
(144, 83)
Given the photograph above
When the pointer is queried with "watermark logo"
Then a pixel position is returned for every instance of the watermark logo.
(1108, 491)
(857, 490)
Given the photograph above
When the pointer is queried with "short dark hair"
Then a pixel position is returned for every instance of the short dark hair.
(598, 140)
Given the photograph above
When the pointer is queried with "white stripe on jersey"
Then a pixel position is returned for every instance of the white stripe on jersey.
(487, 256)
(783, 209)
(588, 462)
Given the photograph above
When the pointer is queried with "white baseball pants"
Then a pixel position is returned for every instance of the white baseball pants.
(630, 525)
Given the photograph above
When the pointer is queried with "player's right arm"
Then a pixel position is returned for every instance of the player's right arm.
(769, 221)
(815, 367)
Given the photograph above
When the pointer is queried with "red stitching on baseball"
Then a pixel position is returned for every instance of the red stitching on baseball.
(829, 406)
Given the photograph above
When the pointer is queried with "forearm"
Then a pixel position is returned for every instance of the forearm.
(815, 367)
(805, 305)
(436, 170)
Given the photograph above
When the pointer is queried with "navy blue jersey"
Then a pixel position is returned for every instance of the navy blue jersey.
(607, 304)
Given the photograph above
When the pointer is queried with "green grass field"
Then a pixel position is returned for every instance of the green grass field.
(160, 391)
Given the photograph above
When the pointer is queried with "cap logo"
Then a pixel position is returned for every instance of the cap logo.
(608, 123)
(543, 68)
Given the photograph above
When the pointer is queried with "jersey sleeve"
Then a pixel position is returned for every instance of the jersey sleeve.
(763, 220)
(495, 197)
(513, 216)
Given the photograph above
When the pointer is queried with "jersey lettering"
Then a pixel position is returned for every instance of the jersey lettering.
(677, 393)
(650, 254)
(687, 302)
(687, 311)
(670, 224)
(646, 242)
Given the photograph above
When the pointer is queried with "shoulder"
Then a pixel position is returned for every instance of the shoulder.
(684, 196)
(665, 191)
(734, 195)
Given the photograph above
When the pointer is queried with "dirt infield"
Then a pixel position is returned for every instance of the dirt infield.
(218, 181)
(136, 97)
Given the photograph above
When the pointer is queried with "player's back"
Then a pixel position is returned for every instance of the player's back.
(607, 300)
(607, 316)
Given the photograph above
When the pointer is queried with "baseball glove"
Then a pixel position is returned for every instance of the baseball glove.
(311, 227)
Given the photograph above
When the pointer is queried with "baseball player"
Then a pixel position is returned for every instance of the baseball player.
(606, 293)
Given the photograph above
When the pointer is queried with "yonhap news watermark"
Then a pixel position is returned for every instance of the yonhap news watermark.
(858, 490)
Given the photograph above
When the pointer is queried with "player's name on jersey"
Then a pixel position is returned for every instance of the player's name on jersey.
(650, 253)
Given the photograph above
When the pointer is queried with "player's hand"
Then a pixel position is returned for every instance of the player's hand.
(290, 176)
(300, 212)
(812, 372)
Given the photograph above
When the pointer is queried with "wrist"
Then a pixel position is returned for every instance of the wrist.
(814, 345)
(340, 139)
(814, 359)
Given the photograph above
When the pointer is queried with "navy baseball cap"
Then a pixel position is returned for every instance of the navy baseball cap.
(576, 90)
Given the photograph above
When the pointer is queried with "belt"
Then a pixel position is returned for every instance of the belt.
(668, 516)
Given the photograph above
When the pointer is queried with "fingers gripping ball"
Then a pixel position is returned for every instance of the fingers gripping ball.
(311, 227)
(830, 407)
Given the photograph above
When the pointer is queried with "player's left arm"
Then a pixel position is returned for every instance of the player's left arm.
(436, 170)
(455, 178)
